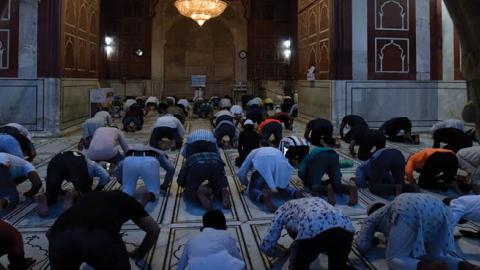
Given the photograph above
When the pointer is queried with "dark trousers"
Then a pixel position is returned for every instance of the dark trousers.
(325, 133)
(160, 133)
(439, 169)
(225, 130)
(100, 249)
(336, 242)
(387, 171)
(70, 167)
(213, 171)
(200, 147)
(8, 188)
(454, 138)
(368, 144)
(325, 163)
(270, 129)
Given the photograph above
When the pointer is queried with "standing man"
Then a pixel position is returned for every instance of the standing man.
(316, 227)
(90, 232)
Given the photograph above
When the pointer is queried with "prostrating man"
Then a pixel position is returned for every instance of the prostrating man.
(437, 167)
(465, 209)
(89, 127)
(294, 148)
(247, 141)
(133, 120)
(14, 171)
(152, 103)
(394, 126)
(177, 111)
(225, 127)
(104, 114)
(285, 118)
(8, 144)
(453, 138)
(198, 168)
(255, 113)
(11, 244)
(384, 173)
(213, 248)
(316, 227)
(270, 171)
(103, 146)
(145, 162)
(321, 161)
(268, 128)
(449, 123)
(370, 141)
(73, 167)
(469, 161)
(319, 132)
(26, 144)
(167, 127)
(417, 231)
(237, 113)
(351, 121)
(90, 232)
(200, 140)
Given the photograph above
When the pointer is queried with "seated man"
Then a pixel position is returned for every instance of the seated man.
(14, 171)
(437, 167)
(268, 128)
(453, 138)
(316, 227)
(11, 244)
(394, 126)
(90, 232)
(315, 165)
(26, 144)
(469, 161)
(199, 141)
(198, 168)
(370, 141)
(167, 126)
(255, 113)
(247, 141)
(89, 128)
(450, 123)
(294, 148)
(351, 121)
(384, 173)
(213, 248)
(145, 162)
(319, 132)
(464, 209)
(73, 167)
(103, 146)
(271, 171)
(417, 231)
(8, 144)
(133, 120)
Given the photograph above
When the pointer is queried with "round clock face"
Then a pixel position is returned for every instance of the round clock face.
(242, 54)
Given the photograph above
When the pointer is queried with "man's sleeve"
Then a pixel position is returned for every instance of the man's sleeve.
(270, 241)
(133, 208)
(364, 240)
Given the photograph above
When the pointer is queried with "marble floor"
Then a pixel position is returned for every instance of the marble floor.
(178, 219)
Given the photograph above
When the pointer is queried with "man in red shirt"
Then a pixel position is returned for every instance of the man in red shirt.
(268, 128)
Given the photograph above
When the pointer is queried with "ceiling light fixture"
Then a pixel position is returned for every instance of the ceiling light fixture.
(201, 10)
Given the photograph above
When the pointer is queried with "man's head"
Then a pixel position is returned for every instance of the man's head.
(374, 208)
(248, 124)
(214, 219)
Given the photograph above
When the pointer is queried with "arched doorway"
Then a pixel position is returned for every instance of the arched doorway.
(193, 50)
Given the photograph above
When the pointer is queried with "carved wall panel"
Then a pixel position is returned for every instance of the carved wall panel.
(79, 38)
(391, 51)
(8, 38)
(314, 38)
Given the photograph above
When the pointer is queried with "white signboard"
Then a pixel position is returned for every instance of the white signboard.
(199, 80)
(101, 95)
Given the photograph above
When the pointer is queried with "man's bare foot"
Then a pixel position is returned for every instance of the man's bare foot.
(205, 202)
(331, 195)
(398, 189)
(353, 196)
(227, 204)
(266, 199)
(146, 198)
(42, 206)
(69, 199)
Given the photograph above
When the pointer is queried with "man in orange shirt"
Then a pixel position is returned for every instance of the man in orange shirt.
(268, 128)
(437, 167)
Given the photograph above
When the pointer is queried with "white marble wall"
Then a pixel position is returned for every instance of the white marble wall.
(27, 61)
(315, 99)
(359, 40)
(448, 52)
(422, 23)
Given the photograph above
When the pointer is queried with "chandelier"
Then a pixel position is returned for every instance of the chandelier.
(201, 10)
